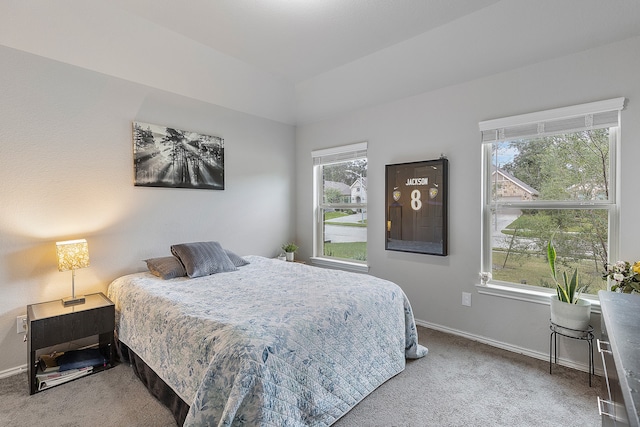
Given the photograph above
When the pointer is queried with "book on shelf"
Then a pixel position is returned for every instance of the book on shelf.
(50, 379)
(62, 374)
(58, 368)
(48, 362)
(81, 358)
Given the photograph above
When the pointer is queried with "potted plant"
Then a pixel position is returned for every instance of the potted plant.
(289, 249)
(625, 277)
(568, 310)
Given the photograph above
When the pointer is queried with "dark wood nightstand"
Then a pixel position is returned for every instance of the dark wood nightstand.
(51, 323)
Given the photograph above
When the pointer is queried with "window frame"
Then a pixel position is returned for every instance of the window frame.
(533, 293)
(327, 157)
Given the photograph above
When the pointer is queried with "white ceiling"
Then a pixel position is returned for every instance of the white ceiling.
(299, 39)
(299, 61)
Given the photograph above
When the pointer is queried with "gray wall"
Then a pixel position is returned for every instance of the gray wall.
(66, 172)
(446, 121)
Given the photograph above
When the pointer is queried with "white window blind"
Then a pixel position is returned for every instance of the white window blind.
(343, 153)
(594, 115)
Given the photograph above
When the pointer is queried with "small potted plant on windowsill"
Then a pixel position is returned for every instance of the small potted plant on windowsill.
(290, 250)
(568, 310)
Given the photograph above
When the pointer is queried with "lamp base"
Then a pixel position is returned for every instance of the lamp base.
(73, 300)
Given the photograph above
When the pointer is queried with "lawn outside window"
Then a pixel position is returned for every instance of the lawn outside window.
(549, 174)
(340, 207)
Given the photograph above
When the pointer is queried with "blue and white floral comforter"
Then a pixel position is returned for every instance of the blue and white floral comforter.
(272, 344)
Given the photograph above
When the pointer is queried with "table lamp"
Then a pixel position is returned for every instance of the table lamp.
(72, 254)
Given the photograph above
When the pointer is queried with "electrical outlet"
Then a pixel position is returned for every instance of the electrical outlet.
(21, 324)
(466, 299)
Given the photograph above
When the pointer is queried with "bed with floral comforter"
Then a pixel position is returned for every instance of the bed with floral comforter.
(272, 344)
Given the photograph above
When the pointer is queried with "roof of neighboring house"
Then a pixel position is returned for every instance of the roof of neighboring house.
(364, 182)
(340, 186)
(526, 187)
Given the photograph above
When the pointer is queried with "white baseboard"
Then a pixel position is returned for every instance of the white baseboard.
(515, 349)
(13, 371)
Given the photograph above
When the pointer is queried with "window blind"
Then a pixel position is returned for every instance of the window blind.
(343, 153)
(594, 115)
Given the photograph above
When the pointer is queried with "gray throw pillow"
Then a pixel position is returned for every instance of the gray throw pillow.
(203, 258)
(166, 267)
(237, 260)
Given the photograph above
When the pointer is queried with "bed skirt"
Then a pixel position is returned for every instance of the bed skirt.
(156, 386)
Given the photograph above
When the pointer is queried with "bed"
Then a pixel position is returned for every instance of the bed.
(271, 343)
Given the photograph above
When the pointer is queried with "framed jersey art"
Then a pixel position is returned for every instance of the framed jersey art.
(416, 202)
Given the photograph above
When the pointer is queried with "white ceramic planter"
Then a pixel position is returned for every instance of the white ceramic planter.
(572, 316)
(290, 256)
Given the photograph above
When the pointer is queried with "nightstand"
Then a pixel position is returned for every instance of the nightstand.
(51, 323)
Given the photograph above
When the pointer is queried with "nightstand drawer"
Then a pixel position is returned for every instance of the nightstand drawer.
(65, 328)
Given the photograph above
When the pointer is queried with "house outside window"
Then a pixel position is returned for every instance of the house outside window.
(340, 207)
(550, 175)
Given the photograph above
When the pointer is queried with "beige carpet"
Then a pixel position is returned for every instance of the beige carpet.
(459, 383)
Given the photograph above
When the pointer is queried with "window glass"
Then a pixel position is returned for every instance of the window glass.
(342, 232)
(543, 185)
(570, 166)
(520, 237)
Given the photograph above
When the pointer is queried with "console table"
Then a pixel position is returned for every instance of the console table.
(620, 350)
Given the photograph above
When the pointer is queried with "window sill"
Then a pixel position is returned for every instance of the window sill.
(528, 295)
(340, 265)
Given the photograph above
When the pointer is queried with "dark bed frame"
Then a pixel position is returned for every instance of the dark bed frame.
(156, 386)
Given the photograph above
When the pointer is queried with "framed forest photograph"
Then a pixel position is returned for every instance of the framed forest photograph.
(416, 202)
(169, 157)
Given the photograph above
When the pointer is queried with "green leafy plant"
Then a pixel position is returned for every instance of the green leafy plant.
(625, 277)
(569, 292)
(289, 247)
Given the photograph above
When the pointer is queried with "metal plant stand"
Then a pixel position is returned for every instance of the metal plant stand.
(586, 335)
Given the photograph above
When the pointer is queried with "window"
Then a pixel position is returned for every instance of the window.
(340, 206)
(550, 175)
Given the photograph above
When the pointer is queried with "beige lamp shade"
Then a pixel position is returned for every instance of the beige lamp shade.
(72, 254)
